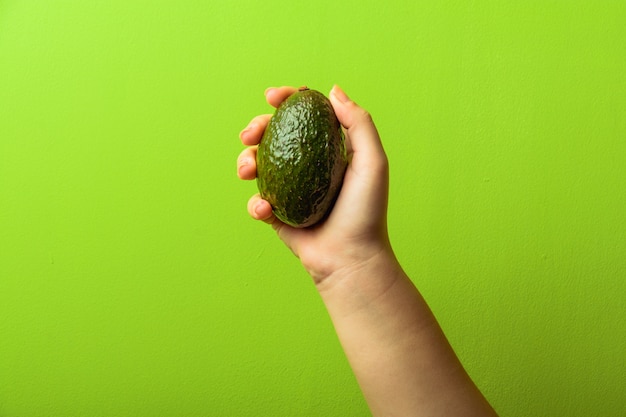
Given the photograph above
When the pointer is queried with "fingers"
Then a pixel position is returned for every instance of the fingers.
(276, 95)
(246, 163)
(251, 134)
(260, 209)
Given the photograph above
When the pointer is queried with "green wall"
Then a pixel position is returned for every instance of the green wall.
(133, 282)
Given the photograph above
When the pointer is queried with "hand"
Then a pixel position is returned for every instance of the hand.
(399, 355)
(356, 229)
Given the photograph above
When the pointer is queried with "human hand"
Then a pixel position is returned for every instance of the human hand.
(356, 228)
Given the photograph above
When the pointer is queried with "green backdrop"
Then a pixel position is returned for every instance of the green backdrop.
(133, 282)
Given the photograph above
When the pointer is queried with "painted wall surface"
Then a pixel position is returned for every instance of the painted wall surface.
(133, 283)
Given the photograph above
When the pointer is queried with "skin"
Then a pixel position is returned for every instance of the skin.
(397, 350)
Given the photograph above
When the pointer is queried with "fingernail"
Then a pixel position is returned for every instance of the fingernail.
(268, 89)
(247, 130)
(244, 132)
(243, 163)
(340, 94)
(258, 209)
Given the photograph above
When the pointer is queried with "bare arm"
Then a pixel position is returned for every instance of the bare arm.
(397, 350)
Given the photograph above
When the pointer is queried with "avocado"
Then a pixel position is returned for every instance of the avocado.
(301, 159)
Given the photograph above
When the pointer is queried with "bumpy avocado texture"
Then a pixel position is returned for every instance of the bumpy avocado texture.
(301, 159)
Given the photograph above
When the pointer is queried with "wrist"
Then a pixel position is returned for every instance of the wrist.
(360, 282)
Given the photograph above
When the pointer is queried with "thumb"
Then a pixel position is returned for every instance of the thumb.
(362, 134)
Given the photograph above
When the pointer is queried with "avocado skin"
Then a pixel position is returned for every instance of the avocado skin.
(301, 159)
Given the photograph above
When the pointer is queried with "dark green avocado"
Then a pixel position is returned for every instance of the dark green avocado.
(301, 159)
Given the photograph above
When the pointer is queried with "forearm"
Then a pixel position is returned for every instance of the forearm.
(395, 346)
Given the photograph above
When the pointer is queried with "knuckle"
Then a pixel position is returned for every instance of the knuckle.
(365, 116)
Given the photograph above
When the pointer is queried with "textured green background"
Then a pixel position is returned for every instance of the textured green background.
(133, 283)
